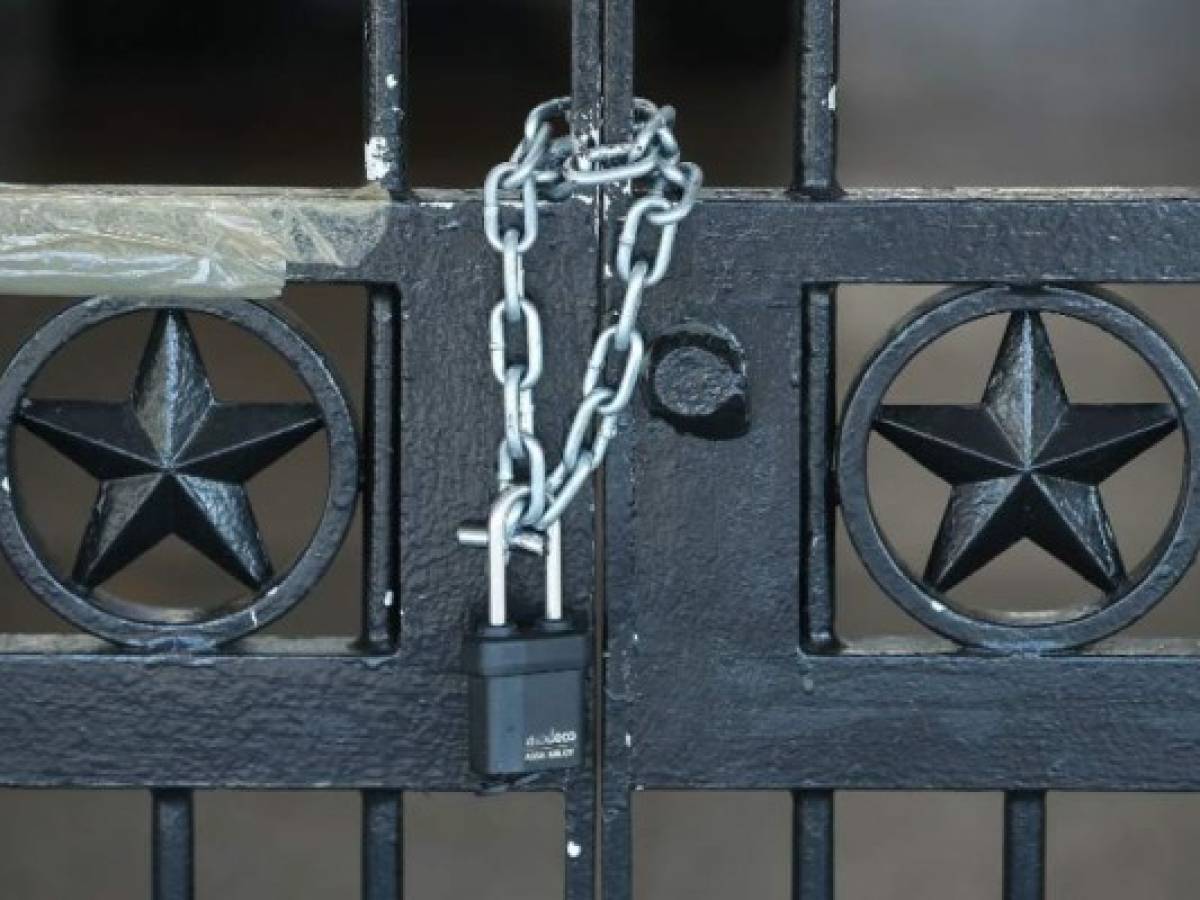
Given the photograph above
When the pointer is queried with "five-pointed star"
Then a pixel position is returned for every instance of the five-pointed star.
(171, 460)
(1026, 463)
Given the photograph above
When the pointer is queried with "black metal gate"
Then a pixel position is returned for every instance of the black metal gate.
(721, 664)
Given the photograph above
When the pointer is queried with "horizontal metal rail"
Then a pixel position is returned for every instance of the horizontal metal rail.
(1122, 719)
(866, 236)
(950, 722)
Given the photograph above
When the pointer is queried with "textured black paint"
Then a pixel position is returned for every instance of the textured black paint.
(696, 381)
(449, 430)
(903, 717)
(818, 389)
(385, 89)
(812, 849)
(90, 718)
(171, 460)
(1024, 845)
(1005, 448)
(382, 845)
(173, 855)
(748, 243)
(1026, 462)
(721, 665)
(380, 493)
(816, 97)
(173, 432)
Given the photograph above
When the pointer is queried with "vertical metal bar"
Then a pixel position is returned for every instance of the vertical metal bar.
(587, 72)
(579, 844)
(386, 159)
(619, 28)
(816, 100)
(380, 524)
(386, 87)
(1025, 845)
(819, 393)
(173, 875)
(382, 845)
(815, 174)
(614, 767)
(812, 845)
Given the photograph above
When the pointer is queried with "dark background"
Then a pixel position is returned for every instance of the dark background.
(933, 92)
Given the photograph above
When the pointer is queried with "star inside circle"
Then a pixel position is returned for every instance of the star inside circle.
(1025, 463)
(171, 460)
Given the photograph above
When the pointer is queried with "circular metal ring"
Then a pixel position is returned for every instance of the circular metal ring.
(153, 627)
(1017, 631)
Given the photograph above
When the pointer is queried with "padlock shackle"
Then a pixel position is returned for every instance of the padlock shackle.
(501, 521)
(554, 560)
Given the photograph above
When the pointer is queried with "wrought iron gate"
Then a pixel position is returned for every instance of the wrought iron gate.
(721, 665)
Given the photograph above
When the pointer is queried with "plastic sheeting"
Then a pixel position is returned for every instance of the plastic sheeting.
(140, 241)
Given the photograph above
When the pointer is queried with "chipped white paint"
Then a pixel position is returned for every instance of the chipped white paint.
(628, 739)
(388, 599)
(392, 81)
(378, 158)
(437, 204)
(831, 99)
(254, 616)
(4, 485)
(574, 850)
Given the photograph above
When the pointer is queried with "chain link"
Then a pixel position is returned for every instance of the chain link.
(550, 166)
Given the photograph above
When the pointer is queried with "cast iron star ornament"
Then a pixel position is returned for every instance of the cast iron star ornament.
(1026, 463)
(171, 460)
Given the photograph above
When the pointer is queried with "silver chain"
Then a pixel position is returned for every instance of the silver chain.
(546, 166)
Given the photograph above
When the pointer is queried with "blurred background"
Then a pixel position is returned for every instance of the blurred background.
(932, 93)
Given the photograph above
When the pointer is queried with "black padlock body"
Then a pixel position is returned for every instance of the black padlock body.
(525, 697)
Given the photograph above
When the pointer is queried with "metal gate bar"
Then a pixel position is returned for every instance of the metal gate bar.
(815, 167)
(724, 702)
(756, 691)
(173, 862)
(386, 93)
(1024, 845)
(383, 845)
(812, 844)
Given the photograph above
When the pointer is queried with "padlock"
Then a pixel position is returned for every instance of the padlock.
(526, 681)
